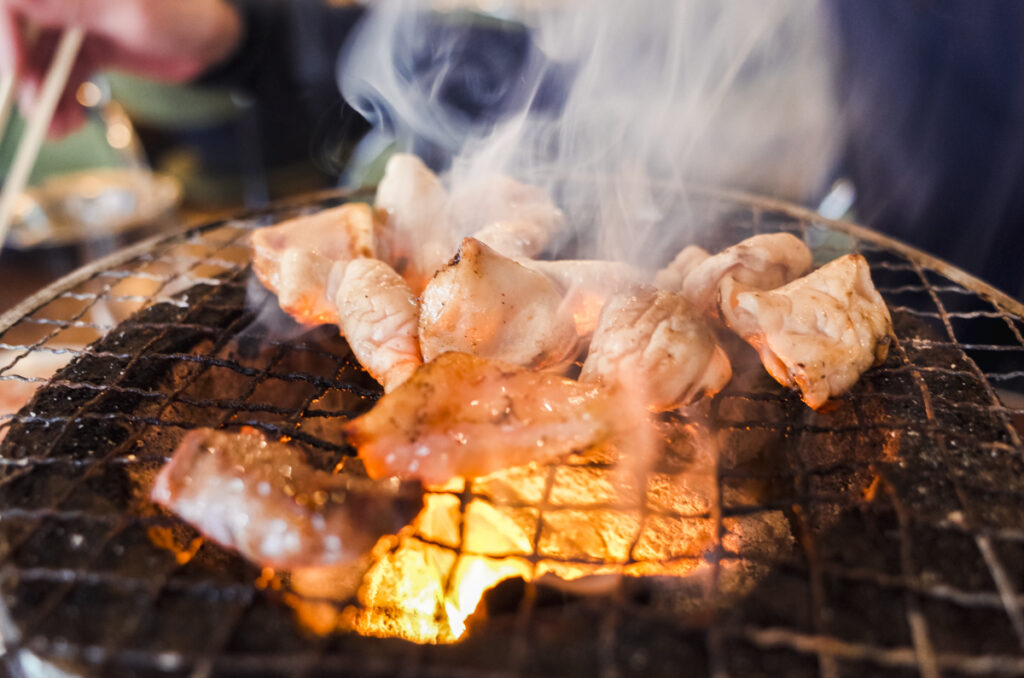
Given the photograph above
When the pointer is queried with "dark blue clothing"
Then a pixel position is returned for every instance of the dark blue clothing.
(933, 93)
(286, 64)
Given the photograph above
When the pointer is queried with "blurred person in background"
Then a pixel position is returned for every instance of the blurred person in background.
(932, 93)
(272, 57)
(171, 41)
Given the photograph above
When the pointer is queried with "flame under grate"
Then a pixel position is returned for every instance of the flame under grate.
(903, 507)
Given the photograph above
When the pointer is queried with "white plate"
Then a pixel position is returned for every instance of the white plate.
(90, 205)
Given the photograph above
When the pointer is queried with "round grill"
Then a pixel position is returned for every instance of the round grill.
(888, 535)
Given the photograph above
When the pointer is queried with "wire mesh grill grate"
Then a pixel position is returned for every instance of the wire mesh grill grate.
(903, 507)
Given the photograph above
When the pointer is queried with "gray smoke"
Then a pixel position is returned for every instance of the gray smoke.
(611, 105)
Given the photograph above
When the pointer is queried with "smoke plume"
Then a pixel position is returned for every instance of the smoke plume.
(612, 106)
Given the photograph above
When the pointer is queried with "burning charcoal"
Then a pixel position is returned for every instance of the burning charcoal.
(263, 500)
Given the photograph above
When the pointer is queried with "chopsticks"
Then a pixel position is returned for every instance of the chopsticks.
(38, 123)
(6, 100)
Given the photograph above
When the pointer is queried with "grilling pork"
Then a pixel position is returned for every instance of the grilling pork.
(415, 238)
(586, 284)
(422, 220)
(514, 238)
(487, 304)
(379, 316)
(462, 415)
(654, 345)
(513, 218)
(762, 262)
(818, 333)
(674, 274)
(294, 258)
(263, 500)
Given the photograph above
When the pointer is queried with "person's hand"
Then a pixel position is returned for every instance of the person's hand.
(171, 40)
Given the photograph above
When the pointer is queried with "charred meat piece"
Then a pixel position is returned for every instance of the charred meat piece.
(762, 262)
(488, 305)
(293, 259)
(415, 240)
(818, 333)
(263, 500)
(462, 415)
(654, 345)
(379, 317)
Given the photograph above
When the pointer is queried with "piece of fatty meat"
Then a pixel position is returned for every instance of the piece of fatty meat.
(263, 499)
(294, 258)
(819, 333)
(462, 415)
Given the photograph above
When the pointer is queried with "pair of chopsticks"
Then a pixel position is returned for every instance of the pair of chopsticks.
(38, 123)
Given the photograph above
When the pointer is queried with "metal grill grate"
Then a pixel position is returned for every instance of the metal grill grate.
(903, 507)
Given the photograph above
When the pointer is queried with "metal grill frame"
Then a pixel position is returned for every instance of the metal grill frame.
(830, 653)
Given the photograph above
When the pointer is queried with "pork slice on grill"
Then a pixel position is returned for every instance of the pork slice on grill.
(379, 317)
(514, 237)
(674, 274)
(294, 258)
(423, 223)
(586, 284)
(415, 239)
(819, 333)
(655, 345)
(489, 305)
(762, 262)
(264, 500)
(462, 415)
(515, 219)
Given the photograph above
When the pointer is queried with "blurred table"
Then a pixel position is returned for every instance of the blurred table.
(24, 272)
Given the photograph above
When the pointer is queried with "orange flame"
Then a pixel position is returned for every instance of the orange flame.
(564, 522)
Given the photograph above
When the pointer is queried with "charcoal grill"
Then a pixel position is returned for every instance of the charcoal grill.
(904, 504)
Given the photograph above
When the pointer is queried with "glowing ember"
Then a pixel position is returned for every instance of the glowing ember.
(171, 540)
(566, 524)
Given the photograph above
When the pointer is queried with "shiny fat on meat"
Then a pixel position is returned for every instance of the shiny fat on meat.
(263, 499)
(819, 333)
(655, 345)
(379, 316)
(489, 305)
(415, 240)
(462, 415)
(762, 262)
(294, 258)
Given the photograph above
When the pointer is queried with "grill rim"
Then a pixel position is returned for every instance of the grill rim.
(754, 200)
(951, 271)
(37, 299)
(812, 644)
